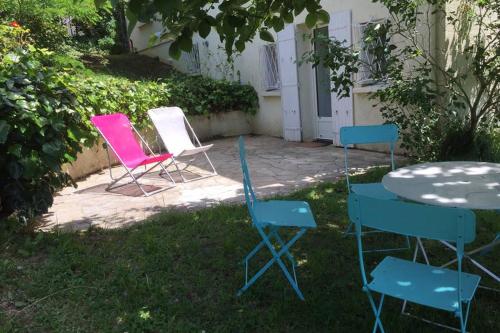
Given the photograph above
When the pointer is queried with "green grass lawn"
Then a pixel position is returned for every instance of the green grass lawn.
(180, 271)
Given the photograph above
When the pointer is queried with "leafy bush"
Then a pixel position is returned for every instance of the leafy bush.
(484, 147)
(46, 101)
(104, 94)
(199, 95)
(39, 127)
(94, 28)
(446, 105)
(410, 102)
(97, 32)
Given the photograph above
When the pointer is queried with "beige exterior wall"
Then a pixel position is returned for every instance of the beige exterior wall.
(247, 69)
(453, 41)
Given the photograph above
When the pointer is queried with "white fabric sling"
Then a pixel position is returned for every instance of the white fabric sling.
(173, 126)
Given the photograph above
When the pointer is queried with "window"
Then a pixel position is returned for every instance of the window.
(372, 39)
(269, 65)
(192, 60)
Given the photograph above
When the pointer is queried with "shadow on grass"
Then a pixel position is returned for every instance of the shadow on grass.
(180, 271)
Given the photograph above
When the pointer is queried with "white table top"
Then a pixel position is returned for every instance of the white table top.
(473, 185)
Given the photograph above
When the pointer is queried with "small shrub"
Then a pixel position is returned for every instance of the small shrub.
(105, 94)
(198, 95)
(410, 103)
(39, 127)
(485, 145)
(93, 28)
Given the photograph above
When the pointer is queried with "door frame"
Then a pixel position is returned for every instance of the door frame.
(344, 102)
(314, 94)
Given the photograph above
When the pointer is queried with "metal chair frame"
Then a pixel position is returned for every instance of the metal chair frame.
(130, 171)
(267, 232)
(458, 225)
(355, 135)
(176, 159)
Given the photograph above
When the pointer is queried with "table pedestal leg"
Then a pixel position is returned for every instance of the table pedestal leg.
(474, 262)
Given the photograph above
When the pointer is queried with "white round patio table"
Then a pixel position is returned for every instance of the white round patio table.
(472, 185)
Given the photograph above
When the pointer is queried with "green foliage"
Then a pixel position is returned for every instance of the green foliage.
(446, 99)
(96, 33)
(236, 21)
(445, 104)
(410, 102)
(200, 95)
(93, 27)
(485, 145)
(196, 95)
(45, 25)
(339, 58)
(39, 126)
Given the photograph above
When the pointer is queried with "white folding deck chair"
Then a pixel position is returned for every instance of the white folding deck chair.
(174, 130)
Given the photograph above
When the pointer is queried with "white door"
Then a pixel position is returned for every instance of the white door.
(342, 108)
(323, 115)
(290, 102)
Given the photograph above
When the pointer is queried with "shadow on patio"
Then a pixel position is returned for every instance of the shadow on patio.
(276, 167)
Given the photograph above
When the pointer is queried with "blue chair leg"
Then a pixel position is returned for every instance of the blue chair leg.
(463, 318)
(487, 249)
(249, 256)
(348, 231)
(276, 258)
(282, 243)
(288, 254)
(376, 310)
(256, 250)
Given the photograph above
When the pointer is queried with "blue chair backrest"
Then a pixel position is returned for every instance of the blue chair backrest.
(411, 219)
(349, 135)
(247, 183)
(387, 133)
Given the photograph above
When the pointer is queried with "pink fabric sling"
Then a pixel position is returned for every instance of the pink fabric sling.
(117, 131)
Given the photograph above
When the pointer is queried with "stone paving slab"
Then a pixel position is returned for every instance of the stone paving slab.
(276, 167)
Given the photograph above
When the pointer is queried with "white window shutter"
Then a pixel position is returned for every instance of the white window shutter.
(339, 28)
(290, 103)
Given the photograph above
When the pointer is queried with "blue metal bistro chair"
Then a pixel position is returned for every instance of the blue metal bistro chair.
(370, 134)
(356, 135)
(268, 218)
(410, 281)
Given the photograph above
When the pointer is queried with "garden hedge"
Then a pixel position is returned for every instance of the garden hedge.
(196, 95)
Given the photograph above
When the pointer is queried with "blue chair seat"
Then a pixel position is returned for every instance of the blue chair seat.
(422, 284)
(373, 190)
(282, 213)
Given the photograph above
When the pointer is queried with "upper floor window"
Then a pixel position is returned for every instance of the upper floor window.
(269, 67)
(372, 40)
(192, 60)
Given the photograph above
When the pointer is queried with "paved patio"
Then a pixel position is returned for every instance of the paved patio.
(276, 166)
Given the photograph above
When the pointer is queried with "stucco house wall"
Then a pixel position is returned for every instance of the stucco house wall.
(248, 69)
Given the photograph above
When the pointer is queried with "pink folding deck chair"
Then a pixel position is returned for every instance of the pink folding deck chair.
(118, 133)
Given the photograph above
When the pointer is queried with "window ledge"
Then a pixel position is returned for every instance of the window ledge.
(270, 93)
(369, 89)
